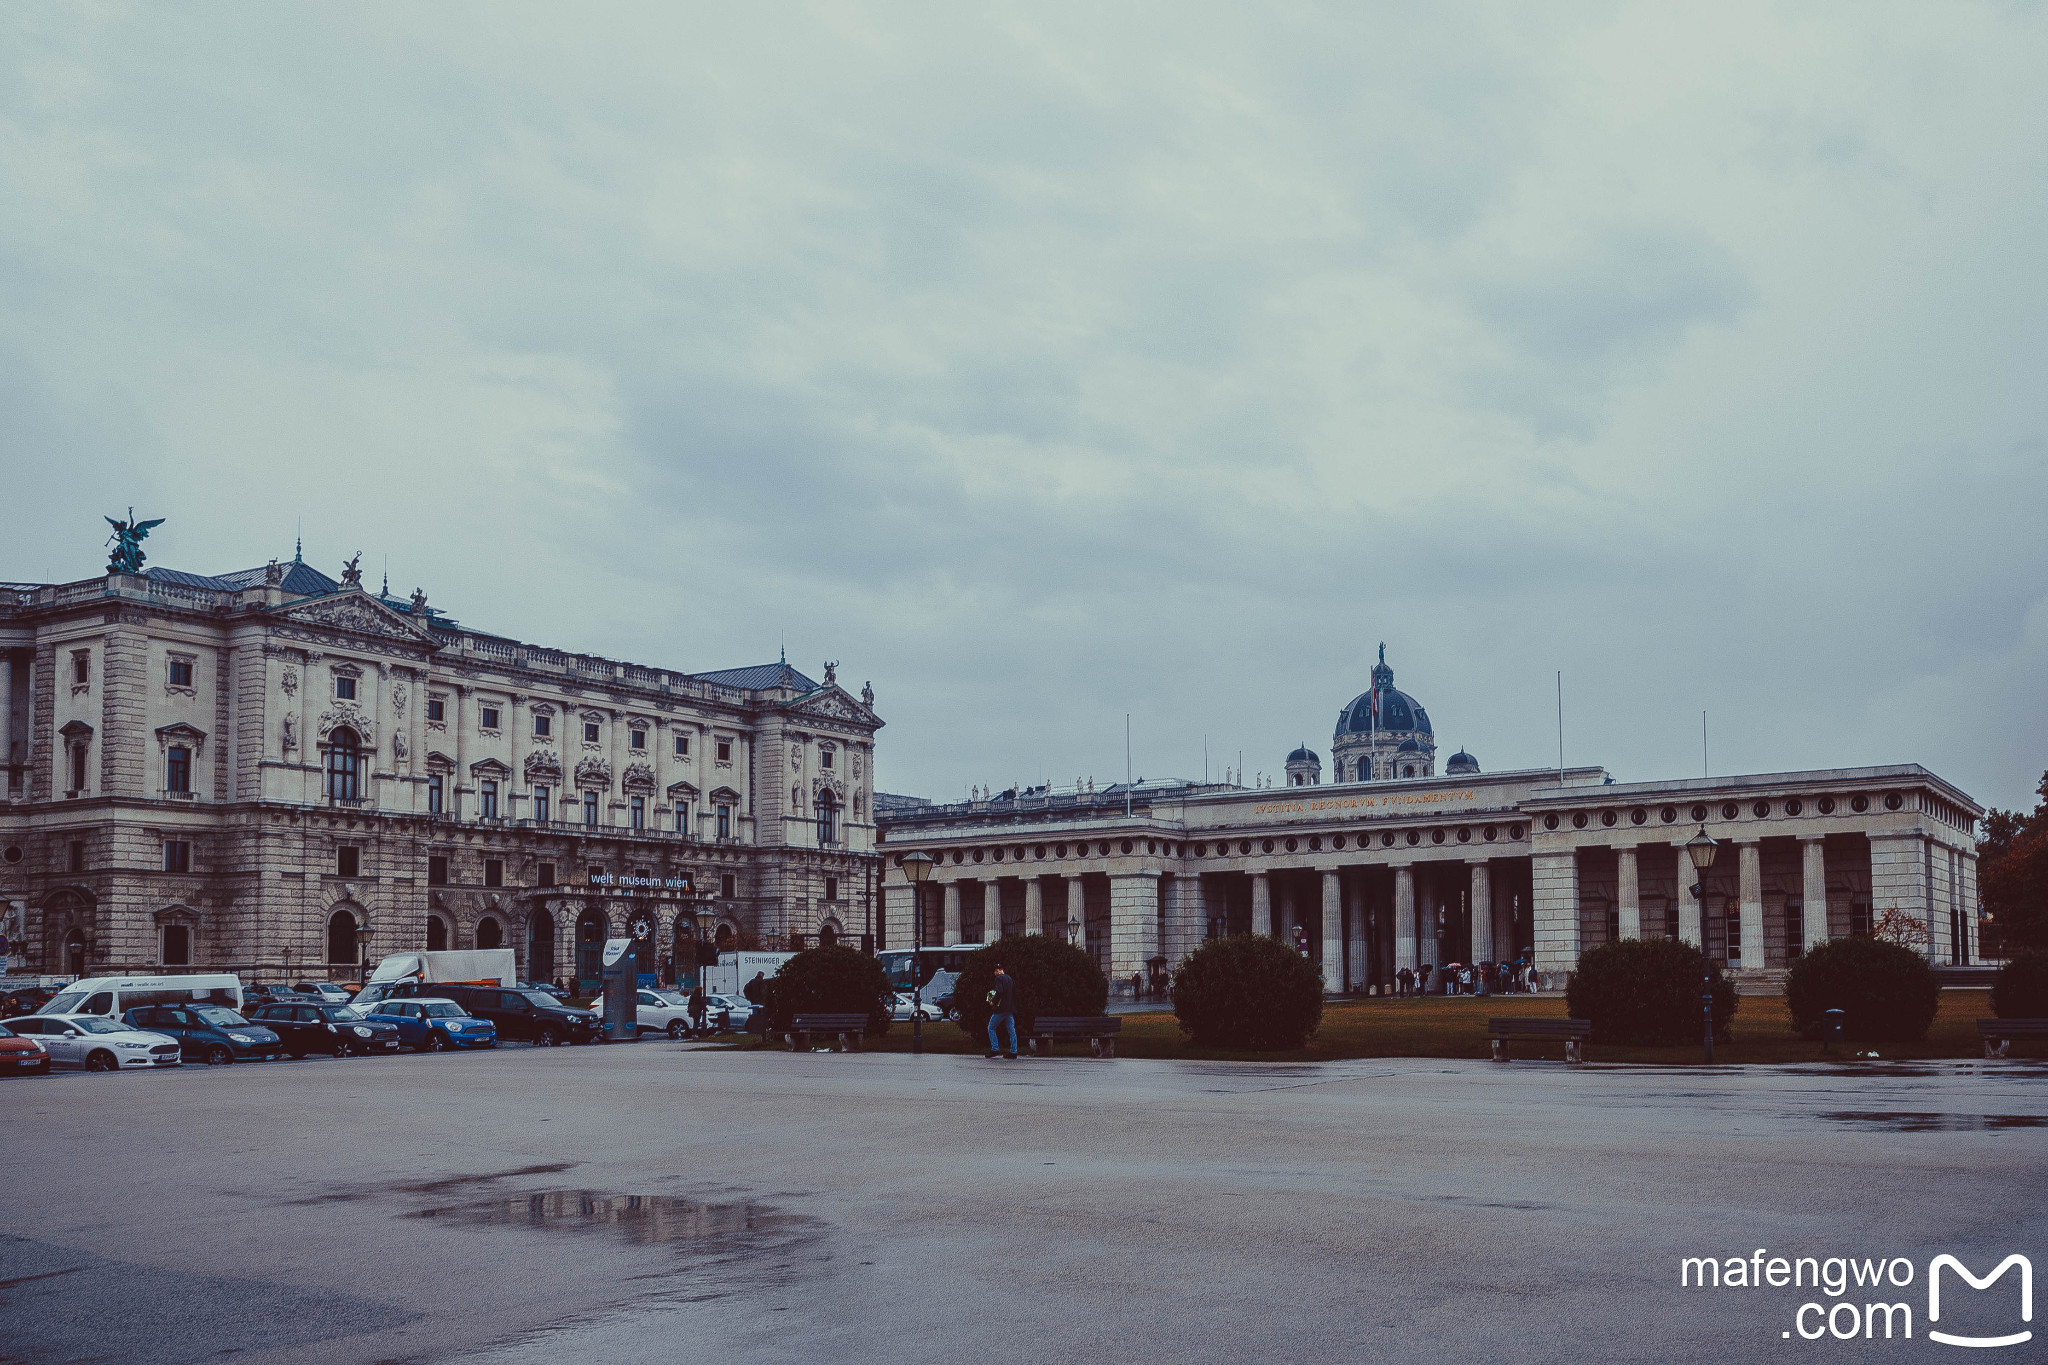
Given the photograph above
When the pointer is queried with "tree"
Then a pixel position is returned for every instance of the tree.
(832, 980)
(2012, 877)
(1248, 993)
(1646, 992)
(1051, 976)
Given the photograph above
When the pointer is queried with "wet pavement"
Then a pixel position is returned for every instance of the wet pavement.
(657, 1203)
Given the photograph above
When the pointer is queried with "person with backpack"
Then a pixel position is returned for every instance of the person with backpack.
(1002, 1000)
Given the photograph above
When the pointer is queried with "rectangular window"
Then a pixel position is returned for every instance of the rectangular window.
(543, 726)
(727, 886)
(181, 672)
(177, 856)
(828, 830)
(437, 869)
(682, 746)
(831, 888)
(540, 804)
(490, 717)
(1795, 928)
(725, 822)
(494, 872)
(590, 732)
(1732, 919)
(437, 709)
(636, 739)
(178, 769)
(77, 768)
(81, 667)
(345, 689)
(546, 874)
(177, 945)
(682, 817)
(487, 793)
(348, 862)
(725, 751)
(590, 808)
(436, 790)
(639, 812)
(824, 758)
(75, 855)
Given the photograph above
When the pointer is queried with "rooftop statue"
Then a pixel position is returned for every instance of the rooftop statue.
(127, 542)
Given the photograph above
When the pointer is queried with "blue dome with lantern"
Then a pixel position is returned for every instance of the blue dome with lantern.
(1398, 713)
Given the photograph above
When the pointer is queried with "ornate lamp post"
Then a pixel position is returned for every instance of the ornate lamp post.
(363, 952)
(918, 868)
(1701, 848)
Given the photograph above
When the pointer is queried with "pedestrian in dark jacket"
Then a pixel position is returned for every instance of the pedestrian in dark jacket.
(1002, 999)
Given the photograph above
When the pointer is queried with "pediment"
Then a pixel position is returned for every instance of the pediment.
(832, 703)
(489, 767)
(356, 612)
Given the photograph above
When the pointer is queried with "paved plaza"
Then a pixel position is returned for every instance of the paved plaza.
(656, 1203)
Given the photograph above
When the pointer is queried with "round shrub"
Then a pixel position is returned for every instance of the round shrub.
(1248, 993)
(1053, 978)
(2020, 989)
(834, 980)
(1888, 993)
(1646, 992)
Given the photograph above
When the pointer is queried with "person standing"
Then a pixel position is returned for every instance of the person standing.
(1002, 999)
(699, 1006)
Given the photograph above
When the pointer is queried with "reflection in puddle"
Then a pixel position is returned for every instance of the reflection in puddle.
(1913, 1122)
(642, 1219)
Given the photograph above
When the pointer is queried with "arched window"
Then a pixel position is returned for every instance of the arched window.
(828, 934)
(344, 766)
(828, 825)
(341, 938)
(488, 934)
(437, 934)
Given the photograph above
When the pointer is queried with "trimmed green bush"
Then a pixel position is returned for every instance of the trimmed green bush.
(1053, 978)
(1646, 993)
(2020, 989)
(1248, 993)
(834, 980)
(1887, 993)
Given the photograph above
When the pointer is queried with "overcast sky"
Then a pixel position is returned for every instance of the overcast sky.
(1044, 363)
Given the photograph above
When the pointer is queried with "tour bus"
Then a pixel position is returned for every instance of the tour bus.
(481, 967)
(113, 995)
(942, 967)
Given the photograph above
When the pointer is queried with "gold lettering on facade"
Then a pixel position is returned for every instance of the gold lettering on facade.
(1340, 803)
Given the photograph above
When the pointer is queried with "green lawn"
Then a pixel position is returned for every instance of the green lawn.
(1455, 1026)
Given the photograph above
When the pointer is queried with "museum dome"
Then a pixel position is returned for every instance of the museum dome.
(1398, 712)
(1462, 764)
(1303, 755)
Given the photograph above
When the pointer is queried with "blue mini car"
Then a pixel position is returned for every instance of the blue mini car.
(427, 1024)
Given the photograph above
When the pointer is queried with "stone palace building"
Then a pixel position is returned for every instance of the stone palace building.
(1397, 866)
(274, 772)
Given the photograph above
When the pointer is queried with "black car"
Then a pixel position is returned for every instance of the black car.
(338, 1030)
(526, 1014)
(255, 996)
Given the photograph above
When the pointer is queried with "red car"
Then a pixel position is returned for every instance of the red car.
(21, 1056)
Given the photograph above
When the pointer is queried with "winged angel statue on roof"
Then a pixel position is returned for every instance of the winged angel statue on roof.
(127, 542)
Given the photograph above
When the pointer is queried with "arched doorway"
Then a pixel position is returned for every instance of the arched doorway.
(828, 933)
(540, 947)
(341, 939)
(725, 938)
(592, 929)
(437, 934)
(489, 934)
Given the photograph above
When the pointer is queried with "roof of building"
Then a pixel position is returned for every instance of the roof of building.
(1304, 755)
(300, 578)
(1399, 713)
(759, 678)
(1462, 762)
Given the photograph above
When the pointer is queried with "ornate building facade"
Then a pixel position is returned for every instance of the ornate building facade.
(276, 772)
(1393, 866)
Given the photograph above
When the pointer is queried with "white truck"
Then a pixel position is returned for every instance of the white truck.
(483, 967)
(735, 970)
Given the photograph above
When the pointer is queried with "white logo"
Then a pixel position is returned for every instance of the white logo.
(1934, 1298)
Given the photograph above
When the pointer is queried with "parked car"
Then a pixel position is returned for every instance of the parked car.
(663, 1012)
(329, 991)
(22, 1056)
(213, 1034)
(907, 1006)
(306, 1024)
(253, 996)
(29, 999)
(527, 1015)
(429, 1024)
(94, 1042)
(730, 1011)
(546, 988)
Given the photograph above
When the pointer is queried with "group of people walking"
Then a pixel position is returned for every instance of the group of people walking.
(1468, 978)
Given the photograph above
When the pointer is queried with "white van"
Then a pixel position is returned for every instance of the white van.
(115, 995)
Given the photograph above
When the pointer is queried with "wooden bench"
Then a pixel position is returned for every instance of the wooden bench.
(847, 1028)
(1999, 1033)
(1573, 1031)
(1100, 1031)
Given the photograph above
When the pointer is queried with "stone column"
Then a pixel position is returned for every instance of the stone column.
(384, 752)
(1357, 971)
(1555, 914)
(7, 716)
(309, 756)
(1482, 911)
(1333, 932)
(1899, 880)
(1689, 928)
(1286, 920)
(1404, 919)
(1262, 904)
(1186, 918)
(952, 930)
(1133, 924)
(1752, 911)
(1077, 913)
(991, 910)
(416, 717)
(518, 727)
(617, 753)
(1034, 906)
(1813, 855)
(461, 775)
(1629, 893)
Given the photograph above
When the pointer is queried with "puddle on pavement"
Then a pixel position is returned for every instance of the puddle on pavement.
(1910, 1122)
(641, 1219)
